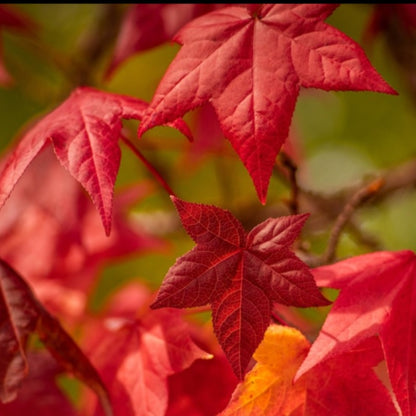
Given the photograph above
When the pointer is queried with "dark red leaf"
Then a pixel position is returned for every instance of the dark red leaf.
(18, 317)
(239, 275)
(21, 315)
(250, 66)
(39, 394)
(71, 357)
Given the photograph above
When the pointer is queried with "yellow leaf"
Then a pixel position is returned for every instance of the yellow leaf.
(268, 388)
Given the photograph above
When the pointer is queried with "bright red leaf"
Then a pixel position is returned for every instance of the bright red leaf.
(376, 298)
(348, 385)
(250, 65)
(136, 353)
(84, 131)
(239, 274)
(148, 25)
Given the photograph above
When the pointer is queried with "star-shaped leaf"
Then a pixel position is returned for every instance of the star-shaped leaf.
(250, 64)
(239, 274)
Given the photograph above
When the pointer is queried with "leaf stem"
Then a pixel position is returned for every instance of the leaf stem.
(277, 319)
(148, 165)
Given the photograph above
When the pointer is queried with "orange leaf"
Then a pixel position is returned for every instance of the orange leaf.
(344, 385)
(268, 388)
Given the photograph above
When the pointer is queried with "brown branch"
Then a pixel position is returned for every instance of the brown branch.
(358, 198)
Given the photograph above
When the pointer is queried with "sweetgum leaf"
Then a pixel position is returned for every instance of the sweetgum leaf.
(376, 298)
(239, 274)
(84, 131)
(250, 65)
(21, 314)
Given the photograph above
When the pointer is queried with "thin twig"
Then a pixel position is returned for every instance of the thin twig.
(343, 218)
(148, 165)
(289, 164)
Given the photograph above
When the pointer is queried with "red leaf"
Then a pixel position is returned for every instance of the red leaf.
(18, 317)
(239, 275)
(347, 385)
(376, 298)
(21, 314)
(136, 356)
(84, 131)
(209, 396)
(250, 66)
(148, 25)
(40, 395)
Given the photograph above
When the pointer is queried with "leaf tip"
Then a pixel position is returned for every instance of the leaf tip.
(107, 225)
(144, 126)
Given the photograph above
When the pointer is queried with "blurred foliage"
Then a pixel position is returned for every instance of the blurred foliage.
(343, 136)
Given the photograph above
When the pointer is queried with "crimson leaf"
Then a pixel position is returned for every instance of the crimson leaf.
(239, 274)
